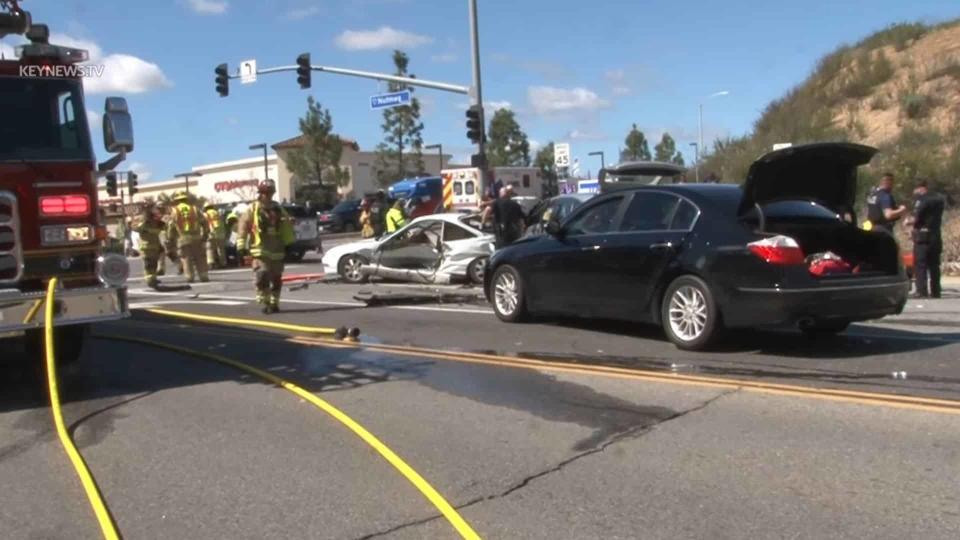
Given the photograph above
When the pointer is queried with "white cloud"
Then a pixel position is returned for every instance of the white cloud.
(549, 100)
(208, 7)
(143, 173)
(618, 82)
(535, 145)
(122, 73)
(580, 135)
(298, 14)
(445, 58)
(496, 105)
(384, 37)
(126, 74)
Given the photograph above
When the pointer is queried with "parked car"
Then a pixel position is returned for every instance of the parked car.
(344, 217)
(435, 248)
(306, 230)
(695, 258)
(555, 208)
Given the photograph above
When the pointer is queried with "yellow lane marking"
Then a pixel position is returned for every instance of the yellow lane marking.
(243, 322)
(86, 479)
(848, 396)
(445, 508)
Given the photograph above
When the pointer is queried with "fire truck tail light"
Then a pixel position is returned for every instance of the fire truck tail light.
(65, 205)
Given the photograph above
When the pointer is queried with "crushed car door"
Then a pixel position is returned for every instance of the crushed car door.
(415, 248)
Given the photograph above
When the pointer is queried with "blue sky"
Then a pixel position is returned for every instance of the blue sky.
(573, 70)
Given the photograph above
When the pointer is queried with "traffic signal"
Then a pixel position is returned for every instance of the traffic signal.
(112, 184)
(223, 80)
(475, 124)
(132, 183)
(303, 70)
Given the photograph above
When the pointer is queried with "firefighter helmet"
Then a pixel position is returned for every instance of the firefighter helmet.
(209, 205)
(267, 186)
(180, 196)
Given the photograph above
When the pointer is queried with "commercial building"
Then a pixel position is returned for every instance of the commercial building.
(236, 181)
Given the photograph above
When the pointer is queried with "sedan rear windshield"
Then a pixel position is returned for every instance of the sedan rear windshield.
(346, 206)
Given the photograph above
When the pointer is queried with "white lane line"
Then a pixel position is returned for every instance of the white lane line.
(148, 305)
(349, 304)
(232, 271)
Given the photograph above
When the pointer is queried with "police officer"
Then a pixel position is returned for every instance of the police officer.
(927, 240)
(216, 242)
(265, 230)
(188, 230)
(882, 209)
(150, 245)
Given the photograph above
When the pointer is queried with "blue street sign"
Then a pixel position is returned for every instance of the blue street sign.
(393, 99)
(588, 186)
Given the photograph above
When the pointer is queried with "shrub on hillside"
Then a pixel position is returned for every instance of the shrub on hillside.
(916, 105)
(871, 70)
(898, 35)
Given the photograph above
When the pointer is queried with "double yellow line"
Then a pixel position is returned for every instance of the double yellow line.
(849, 396)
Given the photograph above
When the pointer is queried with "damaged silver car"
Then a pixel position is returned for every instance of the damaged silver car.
(439, 248)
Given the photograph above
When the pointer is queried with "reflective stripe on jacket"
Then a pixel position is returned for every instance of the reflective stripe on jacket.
(214, 223)
(264, 234)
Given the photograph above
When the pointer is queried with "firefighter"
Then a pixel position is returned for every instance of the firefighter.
(150, 246)
(265, 231)
(216, 243)
(186, 234)
(395, 217)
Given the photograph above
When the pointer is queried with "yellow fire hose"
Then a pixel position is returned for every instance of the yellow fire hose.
(86, 479)
(256, 322)
(408, 472)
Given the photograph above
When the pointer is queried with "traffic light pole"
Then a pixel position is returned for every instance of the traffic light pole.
(478, 93)
(446, 87)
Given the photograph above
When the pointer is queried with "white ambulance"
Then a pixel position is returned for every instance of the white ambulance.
(469, 191)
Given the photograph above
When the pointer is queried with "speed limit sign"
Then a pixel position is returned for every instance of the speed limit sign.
(561, 155)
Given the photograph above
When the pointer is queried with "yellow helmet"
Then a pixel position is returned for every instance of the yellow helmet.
(180, 196)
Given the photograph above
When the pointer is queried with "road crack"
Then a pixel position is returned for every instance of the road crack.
(524, 482)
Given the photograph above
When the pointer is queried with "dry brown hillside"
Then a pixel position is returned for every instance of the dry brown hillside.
(898, 90)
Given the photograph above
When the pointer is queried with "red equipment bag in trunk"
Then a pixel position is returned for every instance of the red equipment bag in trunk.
(827, 264)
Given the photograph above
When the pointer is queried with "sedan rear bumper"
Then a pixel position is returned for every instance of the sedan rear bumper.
(25, 311)
(749, 307)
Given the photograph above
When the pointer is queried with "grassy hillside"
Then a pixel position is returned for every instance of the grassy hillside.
(898, 90)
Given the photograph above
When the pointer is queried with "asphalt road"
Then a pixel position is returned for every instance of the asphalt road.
(619, 435)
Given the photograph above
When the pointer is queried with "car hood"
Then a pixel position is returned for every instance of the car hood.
(824, 172)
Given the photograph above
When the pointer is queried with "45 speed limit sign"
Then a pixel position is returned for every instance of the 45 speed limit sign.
(561, 155)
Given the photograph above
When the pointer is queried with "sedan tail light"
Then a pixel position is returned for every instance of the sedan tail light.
(65, 205)
(781, 250)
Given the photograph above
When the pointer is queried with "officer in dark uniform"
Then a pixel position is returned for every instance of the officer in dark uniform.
(882, 209)
(927, 240)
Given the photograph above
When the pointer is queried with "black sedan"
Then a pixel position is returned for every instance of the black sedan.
(695, 258)
(344, 217)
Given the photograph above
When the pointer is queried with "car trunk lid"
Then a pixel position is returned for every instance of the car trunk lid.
(822, 172)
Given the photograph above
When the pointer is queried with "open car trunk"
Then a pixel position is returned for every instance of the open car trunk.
(867, 253)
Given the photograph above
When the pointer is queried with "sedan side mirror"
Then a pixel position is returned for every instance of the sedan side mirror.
(117, 126)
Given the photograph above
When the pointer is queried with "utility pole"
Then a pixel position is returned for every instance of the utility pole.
(266, 175)
(477, 90)
(186, 179)
(603, 164)
(439, 148)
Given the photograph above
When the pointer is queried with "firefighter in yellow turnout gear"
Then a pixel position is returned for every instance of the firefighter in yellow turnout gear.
(216, 243)
(188, 231)
(150, 245)
(265, 230)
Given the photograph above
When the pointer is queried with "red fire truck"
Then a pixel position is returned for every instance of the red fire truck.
(49, 220)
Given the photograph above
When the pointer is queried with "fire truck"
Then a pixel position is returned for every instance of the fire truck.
(49, 220)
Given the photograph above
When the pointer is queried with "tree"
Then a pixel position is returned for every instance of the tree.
(403, 131)
(544, 162)
(508, 146)
(666, 150)
(316, 164)
(636, 146)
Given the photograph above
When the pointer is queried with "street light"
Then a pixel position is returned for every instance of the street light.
(603, 164)
(438, 148)
(266, 175)
(711, 96)
(186, 178)
(696, 158)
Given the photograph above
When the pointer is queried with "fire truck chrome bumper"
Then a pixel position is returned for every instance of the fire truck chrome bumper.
(24, 311)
